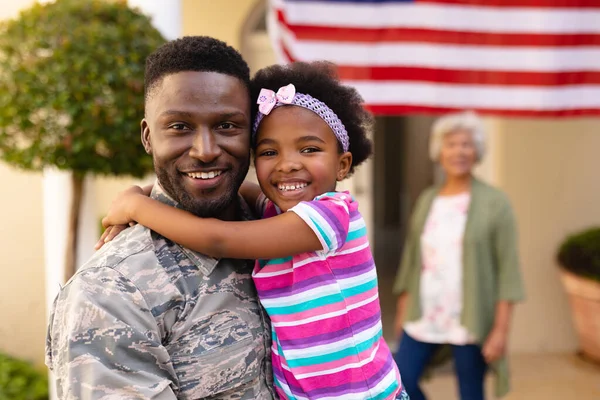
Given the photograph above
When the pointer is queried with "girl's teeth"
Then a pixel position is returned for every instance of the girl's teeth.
(296, 186)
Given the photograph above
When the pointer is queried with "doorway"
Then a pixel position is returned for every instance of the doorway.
(401, 171)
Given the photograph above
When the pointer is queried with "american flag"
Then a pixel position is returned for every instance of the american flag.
(498, 57)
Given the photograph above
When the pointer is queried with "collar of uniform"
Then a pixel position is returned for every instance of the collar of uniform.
(205, 264)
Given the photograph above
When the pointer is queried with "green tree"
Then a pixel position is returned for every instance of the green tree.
(71, 92)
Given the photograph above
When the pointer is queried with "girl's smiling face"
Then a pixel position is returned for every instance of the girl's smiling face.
(297, 156)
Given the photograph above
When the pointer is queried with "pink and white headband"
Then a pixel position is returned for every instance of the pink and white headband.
(268, 100)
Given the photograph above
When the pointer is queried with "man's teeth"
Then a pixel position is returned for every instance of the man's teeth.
(204, 175)
(292, 186)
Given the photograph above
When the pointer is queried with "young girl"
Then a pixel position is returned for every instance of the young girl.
(315, 273)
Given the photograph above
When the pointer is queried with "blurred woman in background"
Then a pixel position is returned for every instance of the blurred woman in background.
(459, 275)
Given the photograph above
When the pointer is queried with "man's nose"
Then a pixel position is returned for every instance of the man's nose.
(205, 147)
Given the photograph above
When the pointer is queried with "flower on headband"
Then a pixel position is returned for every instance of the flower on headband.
(268, 98)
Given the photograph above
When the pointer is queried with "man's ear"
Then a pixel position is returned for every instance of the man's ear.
(344, 164)
(146, 136)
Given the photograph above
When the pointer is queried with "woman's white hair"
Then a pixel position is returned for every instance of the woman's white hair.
(468, 121)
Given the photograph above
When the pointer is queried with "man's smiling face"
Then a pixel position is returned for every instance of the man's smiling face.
(197, 129)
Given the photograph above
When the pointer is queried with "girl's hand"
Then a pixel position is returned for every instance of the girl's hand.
(119, 215)
(121, 209)
(110, 233)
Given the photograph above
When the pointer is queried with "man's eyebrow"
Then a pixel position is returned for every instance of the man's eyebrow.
(233, 114)
(167, 113)
(187, 114)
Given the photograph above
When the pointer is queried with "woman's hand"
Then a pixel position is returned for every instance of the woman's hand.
(400, 311)
(495, 345)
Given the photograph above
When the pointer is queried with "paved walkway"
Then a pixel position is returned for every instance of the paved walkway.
(534, 377)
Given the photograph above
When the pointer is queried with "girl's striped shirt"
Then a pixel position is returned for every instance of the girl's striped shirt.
(324, 309)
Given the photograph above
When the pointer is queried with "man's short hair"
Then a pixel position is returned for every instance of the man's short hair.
(194, 53)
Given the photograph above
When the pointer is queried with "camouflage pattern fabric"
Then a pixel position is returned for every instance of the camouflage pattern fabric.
(148, 319)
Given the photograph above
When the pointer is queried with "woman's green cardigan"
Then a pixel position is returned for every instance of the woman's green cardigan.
(491, 270)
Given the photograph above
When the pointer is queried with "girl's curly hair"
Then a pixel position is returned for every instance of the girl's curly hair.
(320, 80)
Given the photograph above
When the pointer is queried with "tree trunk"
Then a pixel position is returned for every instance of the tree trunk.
(73, 227)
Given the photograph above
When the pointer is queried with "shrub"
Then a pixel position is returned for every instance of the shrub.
(19, 380)
(580, 254)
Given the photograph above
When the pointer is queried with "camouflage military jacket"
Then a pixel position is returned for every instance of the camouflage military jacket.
(148, 319)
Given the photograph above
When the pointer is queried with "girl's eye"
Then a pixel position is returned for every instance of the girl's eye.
(310, 150)
(267, 153)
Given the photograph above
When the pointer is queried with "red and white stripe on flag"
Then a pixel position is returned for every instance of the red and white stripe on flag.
(499, 57)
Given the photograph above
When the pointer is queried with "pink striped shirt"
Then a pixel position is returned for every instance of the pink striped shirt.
(324, 309)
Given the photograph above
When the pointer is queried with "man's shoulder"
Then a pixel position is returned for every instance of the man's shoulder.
(129, 268)
(130, 253)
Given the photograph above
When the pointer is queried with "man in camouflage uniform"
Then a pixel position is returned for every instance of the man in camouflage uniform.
(146, 318)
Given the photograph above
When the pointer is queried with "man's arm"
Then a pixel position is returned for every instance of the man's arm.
(104, 342)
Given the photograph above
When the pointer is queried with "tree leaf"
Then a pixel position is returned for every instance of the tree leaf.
(71, 82)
